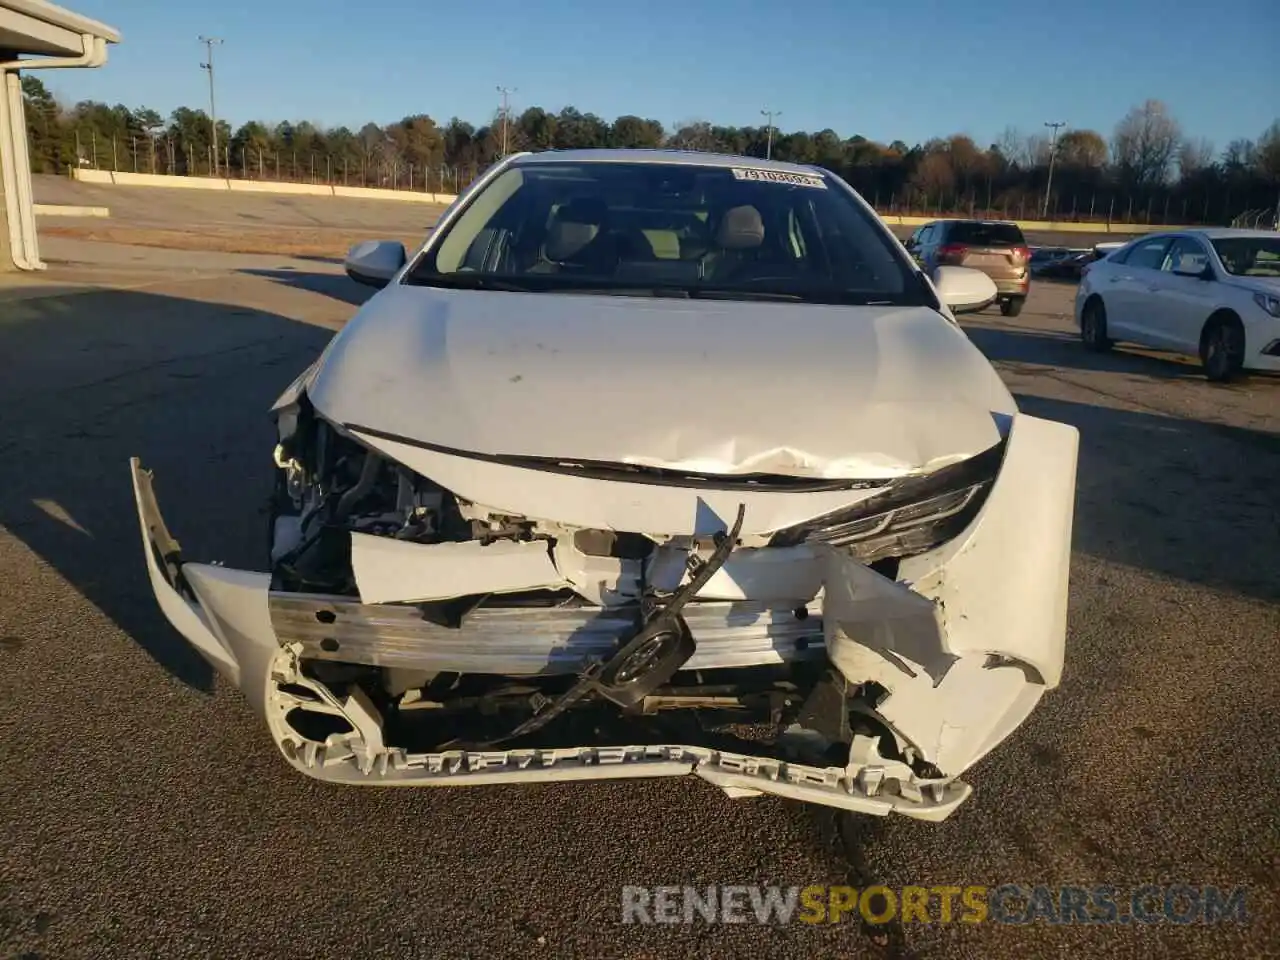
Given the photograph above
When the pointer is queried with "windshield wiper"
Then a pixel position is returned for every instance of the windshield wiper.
(851, 298)
(468, 281)
(730, 293)
(677, 293)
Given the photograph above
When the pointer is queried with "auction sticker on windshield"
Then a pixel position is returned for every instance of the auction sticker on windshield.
(779, 176)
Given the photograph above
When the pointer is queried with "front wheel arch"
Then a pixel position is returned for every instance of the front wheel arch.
(1227, 364)
(1094, 311)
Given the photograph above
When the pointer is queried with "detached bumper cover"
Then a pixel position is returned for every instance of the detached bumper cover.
(963, 645)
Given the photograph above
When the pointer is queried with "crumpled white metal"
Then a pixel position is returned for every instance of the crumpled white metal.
(964, 643)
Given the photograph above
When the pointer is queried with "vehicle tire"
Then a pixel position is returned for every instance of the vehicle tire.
(1222, 348)
(1011, 306)
(1093, 326)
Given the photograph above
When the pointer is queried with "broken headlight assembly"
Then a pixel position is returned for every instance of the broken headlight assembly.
(912, 516)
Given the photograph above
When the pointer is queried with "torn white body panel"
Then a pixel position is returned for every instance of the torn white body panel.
(961, 644)
(772, 573)
(972, 633)
(398, 571)
(395, 571)
(890, 391)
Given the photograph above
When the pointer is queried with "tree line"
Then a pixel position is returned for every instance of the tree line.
(1147, 170)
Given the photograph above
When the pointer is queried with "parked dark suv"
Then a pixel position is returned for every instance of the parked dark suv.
(996, 247)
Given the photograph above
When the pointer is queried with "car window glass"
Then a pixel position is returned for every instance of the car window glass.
(641, 228)
(1185, 256)
(1249, 256)
(1148, 253)
(982, 234)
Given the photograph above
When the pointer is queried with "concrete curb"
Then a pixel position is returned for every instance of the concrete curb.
(69, 210)
(258, 186)
(1066, 226)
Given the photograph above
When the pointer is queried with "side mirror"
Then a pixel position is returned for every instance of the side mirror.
(375, 262)
(963, 289)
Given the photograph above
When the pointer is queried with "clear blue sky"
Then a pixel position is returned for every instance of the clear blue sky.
(886, 69)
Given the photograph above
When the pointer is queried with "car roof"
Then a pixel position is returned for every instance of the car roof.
(693, 158)
(1205, 233)
(1003, 223)
(1226, 233)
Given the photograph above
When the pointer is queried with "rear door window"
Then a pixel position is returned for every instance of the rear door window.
(976, 234)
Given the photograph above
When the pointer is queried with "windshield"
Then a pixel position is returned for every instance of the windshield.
(651, 229)
(1249, 256)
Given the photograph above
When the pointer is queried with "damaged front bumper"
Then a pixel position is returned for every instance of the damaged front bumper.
(955, 651)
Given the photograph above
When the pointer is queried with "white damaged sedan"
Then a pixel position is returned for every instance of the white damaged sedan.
(649, 464)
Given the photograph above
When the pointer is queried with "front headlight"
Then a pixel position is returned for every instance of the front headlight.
(913, 515)
(1268, 302)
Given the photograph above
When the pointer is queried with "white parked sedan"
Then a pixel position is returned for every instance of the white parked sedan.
(643, 464)
(1208, 293)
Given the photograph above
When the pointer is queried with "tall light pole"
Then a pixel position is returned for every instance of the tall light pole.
(213, 110)
(506, 93)
(768, 146)
(1053, 153)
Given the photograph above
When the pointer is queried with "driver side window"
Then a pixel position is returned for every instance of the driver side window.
(1185, 256)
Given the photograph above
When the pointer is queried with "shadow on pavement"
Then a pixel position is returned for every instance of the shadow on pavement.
(1191, 500)
(1014, 344)
(100, 376)
(336, 285)
(1011, 344)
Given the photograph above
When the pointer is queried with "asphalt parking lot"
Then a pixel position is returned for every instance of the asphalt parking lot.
(144, 811)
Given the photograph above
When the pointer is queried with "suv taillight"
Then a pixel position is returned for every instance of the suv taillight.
(948, 250)
(1022, 253)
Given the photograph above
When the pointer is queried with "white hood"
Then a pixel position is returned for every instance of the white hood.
(719, 387)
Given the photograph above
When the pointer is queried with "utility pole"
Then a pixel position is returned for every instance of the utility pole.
(506, 93)
(1053, 153)
(768, 147)
(213, 111)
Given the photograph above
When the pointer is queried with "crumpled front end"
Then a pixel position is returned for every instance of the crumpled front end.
(857, 645)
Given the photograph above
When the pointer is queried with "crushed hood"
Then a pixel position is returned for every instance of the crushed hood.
(723, 387)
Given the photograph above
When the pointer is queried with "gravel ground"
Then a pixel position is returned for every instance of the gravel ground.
(144, 811)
